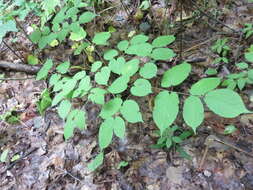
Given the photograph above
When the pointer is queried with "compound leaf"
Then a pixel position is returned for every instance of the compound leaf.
(101, 38)
(131, 112)
(162, 54)
(119, 127)
(204, 85)
(148, 71)
(142, 87)
(162, 41)
(96, 162)
(110, 108)
(64, 108)
(105, 133)
(119, 85)
(43, 72)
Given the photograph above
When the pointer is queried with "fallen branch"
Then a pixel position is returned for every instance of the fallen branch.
(29, 69)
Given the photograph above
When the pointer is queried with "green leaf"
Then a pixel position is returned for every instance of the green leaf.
(116, 66)
(142, 87)
(80, 119)
(68, 129)
(204, 85)
(130, 67)
(95, 66)
(122, 164)
(58, 97)
(105, 133)
(139, 39)
(43, 72)
(143, 49)
(110, 54)
(119, 127)
(9, 26)
(110, 108)
(86, 17)
(79, 75)
(148, 71)
(249, 56)
(242, 65)
(97, 95)
(131, 111)
(225, 103)
(241, 83)
(163, 41)
(45, 101)
(63, 67)
(162, 54)
(123, 45)
(176, 75)
(230, 129)
(64, 108)
(193, 112)
(4, 155)
(35, 36)
(69, 86)
(119, 85)
(101, 38)
(165, 110)
(96, 162)
(102, 77)
(32, 60)
(79, 35)
(211, 71)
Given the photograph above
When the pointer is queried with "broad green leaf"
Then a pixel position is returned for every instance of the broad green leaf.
(116, 66)
(130, 67)
(249, 56)
(79, 75)
(204, 85)
(58, 97)
(119, 85)
(63, 67)
(69, 86)
(32, 60)
(47, 40)
(211, 71)
(142, 87)
(148, 71)
(96, 162)
(110, 54)
(166, 107)
(45, 101)
(80, 119)
(143, 49)
(176, 75)
(123, 45)
(68, 129)
(163, 41)
(241, 83)
(193, 112)
(105, 133)
(122, 164)
(225, 103)
(110, 108)
(86, 17)
(35, 36)
(4, 155)
(9, 26)
(64, 108)
(97, 95)
(162, 54)
(139, 39)
(77, 36)
(43, 72)
(102, 77)
(242, 65)
(101, 38)
(95, 66)
(119, 127)
(131, 112)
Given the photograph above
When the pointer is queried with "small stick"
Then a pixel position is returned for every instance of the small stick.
(13, 51)
(17, 78)
(68, 173)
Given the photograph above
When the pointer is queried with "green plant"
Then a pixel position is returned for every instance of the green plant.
(114, 75)
(222, 50)
(242, 78)
(248, 30)
(10, 117)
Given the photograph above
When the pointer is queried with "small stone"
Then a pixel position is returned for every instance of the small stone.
(207, 173)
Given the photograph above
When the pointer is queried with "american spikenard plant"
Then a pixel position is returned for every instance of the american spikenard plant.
(115, 75)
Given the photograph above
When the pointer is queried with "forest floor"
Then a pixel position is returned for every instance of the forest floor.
(46, 161)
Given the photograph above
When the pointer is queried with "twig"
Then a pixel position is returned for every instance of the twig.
(68, 173)
(29, 69)
(13, 51)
